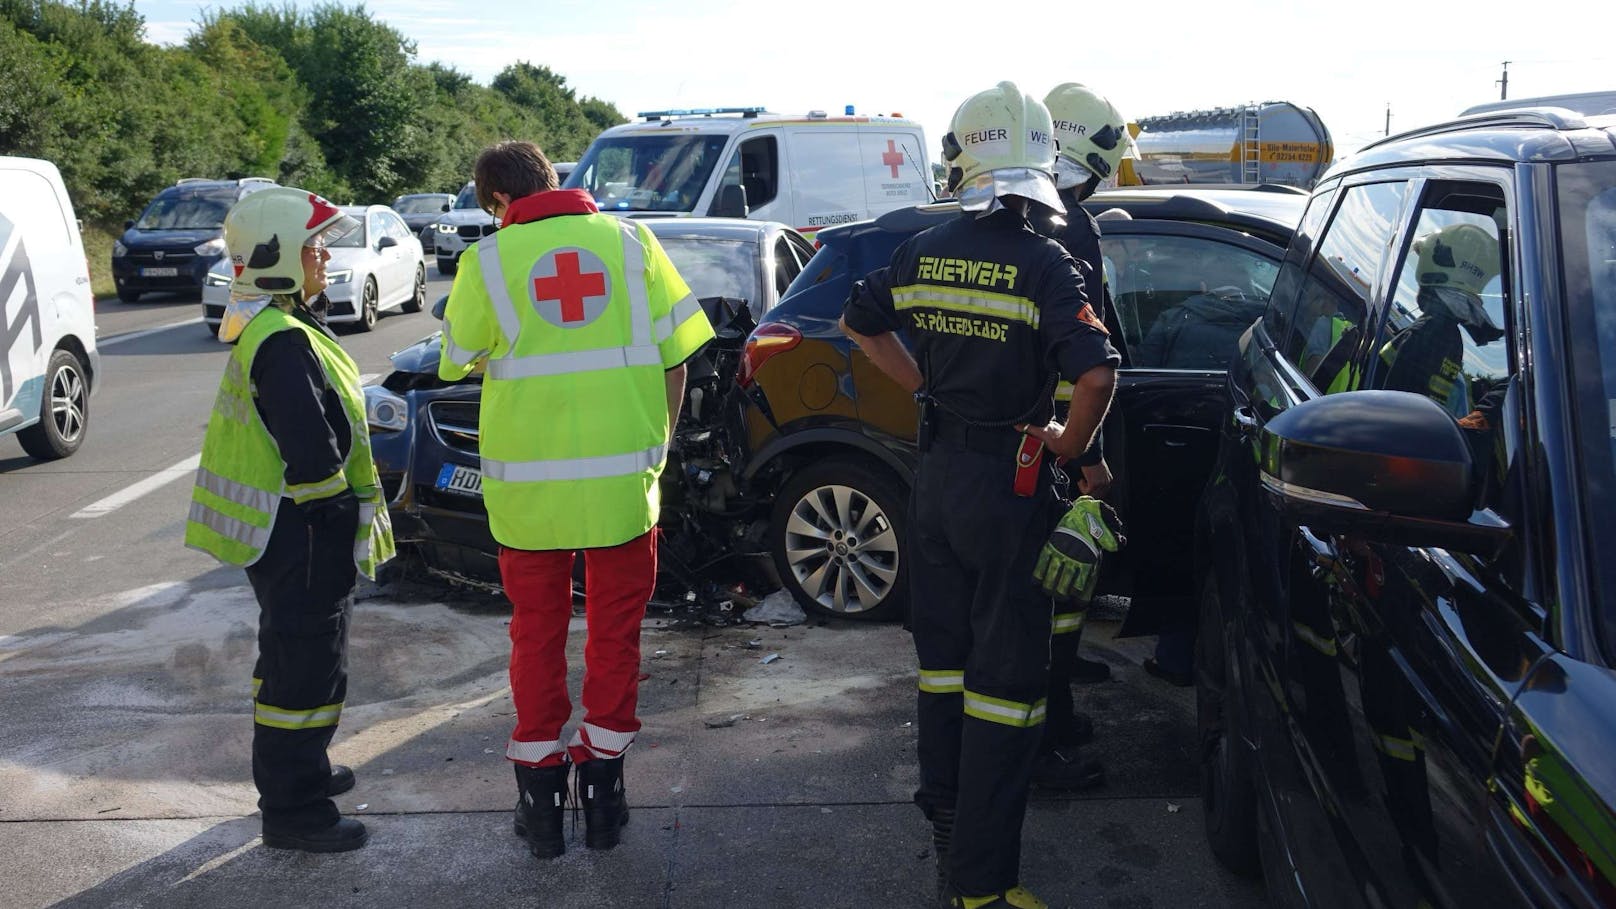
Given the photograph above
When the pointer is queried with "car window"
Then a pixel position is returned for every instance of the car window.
(716, 268)
(1183, 302)
(396, 228)
(378, 227)
(786, 266)
(803, 249)
(1282, 304)
(1332, 304)
(755, 166)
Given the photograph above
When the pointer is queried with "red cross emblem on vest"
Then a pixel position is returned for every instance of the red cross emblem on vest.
(892, 157)
(570, 287)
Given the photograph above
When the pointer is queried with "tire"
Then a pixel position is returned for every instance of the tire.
(813, 535)
(417, 300)
(64, 412)
(1228, 792)
(367, 307)
(447, 266)
(128, 296)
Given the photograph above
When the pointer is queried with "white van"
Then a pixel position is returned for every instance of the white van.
(48, 361)
(809, 171)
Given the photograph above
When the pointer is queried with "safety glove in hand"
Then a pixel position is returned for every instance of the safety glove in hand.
(1069, 565)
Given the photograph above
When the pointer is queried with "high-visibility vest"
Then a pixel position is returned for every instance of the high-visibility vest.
(242, 478)
(578, 318)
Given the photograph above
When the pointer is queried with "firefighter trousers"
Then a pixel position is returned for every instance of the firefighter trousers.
(982, 635)
(304, 584)
(618, 583)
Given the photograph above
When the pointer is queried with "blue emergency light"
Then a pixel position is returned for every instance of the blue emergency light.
(699, 112)
(849, 110)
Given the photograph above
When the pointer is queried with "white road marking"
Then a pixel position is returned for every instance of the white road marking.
(369, 377)
(132, 335)
(156, 481)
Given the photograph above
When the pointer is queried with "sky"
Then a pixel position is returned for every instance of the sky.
(1347, 61)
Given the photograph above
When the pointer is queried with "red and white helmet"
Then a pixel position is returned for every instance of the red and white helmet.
(265, 234)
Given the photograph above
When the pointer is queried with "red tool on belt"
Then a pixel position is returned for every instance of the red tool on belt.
(1029, 457)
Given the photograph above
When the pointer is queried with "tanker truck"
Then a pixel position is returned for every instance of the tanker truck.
(1271, 142)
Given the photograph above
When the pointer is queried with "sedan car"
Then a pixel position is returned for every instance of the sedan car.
(831, 439)
(425, 431)
(421, 211)
(380, 266)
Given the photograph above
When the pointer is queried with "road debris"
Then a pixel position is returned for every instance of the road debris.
(724, 722)
(769, 659)
(1172, 808)
(779, 609)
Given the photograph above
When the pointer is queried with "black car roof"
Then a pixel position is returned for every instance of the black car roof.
(1529, 135)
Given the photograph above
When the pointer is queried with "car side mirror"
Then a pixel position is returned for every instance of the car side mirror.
(731, 202)
(1390, 465)
(386, 243)
(446, 206)
(128, 224)
(439, 307)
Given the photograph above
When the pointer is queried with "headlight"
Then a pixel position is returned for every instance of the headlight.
(384, 410)
(119, 250)
(342, 276)
(214, 279)
(445, 228)
(211, 248)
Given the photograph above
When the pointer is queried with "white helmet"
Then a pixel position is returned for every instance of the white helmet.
(1093, 135)
(1003, 144)
(265, 234)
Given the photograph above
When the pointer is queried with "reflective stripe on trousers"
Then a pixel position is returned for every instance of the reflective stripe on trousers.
(942, 681)
(999, 710)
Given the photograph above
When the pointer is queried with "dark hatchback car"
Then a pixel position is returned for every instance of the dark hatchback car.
(178, 238)
(425, 430)
(1407, 595)
(831, 438)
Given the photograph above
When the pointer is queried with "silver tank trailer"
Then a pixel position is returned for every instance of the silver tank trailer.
(1271, 142)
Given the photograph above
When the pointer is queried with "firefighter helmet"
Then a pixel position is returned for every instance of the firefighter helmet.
(1003, 144)
(1461, 256)
(1093, 136)
(265, 234)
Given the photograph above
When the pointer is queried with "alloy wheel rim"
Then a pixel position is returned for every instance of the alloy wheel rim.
(842, 549)
(67, 403)
(420, 285)
(370, 303)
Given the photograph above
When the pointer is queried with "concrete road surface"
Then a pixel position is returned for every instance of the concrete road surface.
(125, 721)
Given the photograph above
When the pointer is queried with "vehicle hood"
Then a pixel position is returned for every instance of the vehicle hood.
(420, 357)
(140, 238)
(461, 216)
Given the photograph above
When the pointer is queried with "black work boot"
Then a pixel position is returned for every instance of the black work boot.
(942, 838)
(345, 835)
(342, 780)
(541, 799)
(1067, 770)
(600, 783)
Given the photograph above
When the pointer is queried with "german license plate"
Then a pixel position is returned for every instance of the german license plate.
(159, 272)
(467, 481)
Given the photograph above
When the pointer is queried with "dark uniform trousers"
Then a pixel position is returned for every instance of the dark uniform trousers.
(982, 634)
(304, 583)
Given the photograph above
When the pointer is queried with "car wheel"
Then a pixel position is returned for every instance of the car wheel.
(447, 266)
(128, 296)
(64, 414)
(417, 300)
(837, 534)
(1228, 793)
(367, 306)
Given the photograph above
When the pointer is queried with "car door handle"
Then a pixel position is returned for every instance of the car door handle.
(1320, 553)
(1245, 421)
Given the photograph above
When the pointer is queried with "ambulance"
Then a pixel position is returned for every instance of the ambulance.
(809, 171)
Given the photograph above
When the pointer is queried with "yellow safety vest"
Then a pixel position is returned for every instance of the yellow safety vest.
(242, 478)
(578, 317)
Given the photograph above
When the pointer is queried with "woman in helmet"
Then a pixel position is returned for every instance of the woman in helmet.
(287, 490)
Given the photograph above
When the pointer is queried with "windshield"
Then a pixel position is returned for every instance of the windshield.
(715, 268)
(186, 211)
(468, 198)
(648, 173)
(1587, 196)
(421, 205)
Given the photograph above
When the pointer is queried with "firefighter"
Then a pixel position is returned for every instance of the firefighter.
(287, 489)
(997, 314)
(1093, 139)
(584, 327)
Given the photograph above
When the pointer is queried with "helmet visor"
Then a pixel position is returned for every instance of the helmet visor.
(334, 230)
(978, 193)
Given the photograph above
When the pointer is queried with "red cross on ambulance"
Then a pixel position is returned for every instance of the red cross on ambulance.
(892, 157)
(570, 287)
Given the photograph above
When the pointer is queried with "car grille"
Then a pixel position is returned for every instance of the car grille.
(455, 423)
(473, 231)
(171, 256)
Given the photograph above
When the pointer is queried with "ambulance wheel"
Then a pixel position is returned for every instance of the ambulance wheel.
(1228, 789)
(64, 412)
(837, 534)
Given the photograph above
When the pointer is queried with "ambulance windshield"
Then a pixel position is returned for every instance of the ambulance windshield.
(649, 172)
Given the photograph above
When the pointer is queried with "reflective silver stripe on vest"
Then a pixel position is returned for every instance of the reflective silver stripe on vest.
(674, 320)
(639, 297)
(456, 354)
(239, 493)
(558, 364)
(256, 538)
(362, 547)
(510, 324)
(621, 465)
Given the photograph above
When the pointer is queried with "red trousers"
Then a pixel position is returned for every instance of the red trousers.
(619, 581)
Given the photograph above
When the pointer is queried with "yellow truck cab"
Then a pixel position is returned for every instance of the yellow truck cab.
(809, 171)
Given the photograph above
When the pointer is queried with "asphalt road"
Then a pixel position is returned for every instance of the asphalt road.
(125, 728)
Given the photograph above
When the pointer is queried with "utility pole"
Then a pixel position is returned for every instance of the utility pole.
(1503, 90)
(1388, 118)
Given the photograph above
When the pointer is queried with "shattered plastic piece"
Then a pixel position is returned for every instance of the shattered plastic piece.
(660, 653)
(387, 772)
(488, 751)
(778, 608)
(1172, 808)
(361, 806)
(769, 659)
(754, 644)
(824, 811)
(723, 722)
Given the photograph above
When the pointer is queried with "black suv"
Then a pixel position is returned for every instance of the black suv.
(1408, 604)
(178, 238)
(831, 438)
